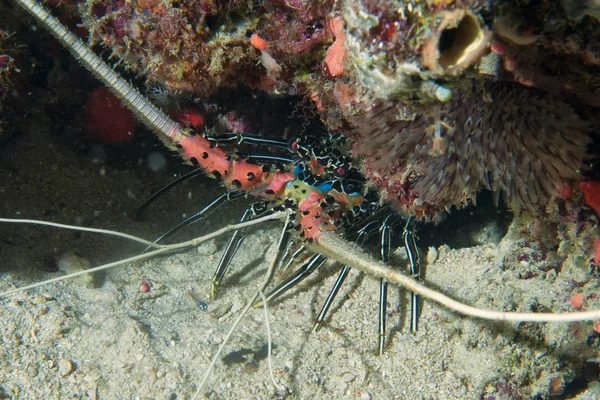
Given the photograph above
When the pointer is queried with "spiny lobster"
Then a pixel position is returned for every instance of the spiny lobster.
(321, 185)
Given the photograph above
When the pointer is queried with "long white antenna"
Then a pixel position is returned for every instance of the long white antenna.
(144, 110)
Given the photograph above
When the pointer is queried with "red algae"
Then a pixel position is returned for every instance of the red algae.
(565, 192)
(577, 301)
(591, 190)
(192, 118)
(108, 119)
(258, 42)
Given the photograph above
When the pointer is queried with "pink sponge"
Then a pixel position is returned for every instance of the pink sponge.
(591, 190)
(108, 119)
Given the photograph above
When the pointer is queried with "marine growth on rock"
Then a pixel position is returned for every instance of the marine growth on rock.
(441, 99)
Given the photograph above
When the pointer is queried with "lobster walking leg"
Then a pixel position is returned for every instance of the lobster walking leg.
(386, 248)
(363, 234)
(222, 199)
(414, 259)
(292, 257)
(141, 210)
(255, 210)
(314, 263)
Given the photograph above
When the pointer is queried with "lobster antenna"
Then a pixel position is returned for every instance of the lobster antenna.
(150, 115)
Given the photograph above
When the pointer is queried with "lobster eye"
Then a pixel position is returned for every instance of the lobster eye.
(293, 144)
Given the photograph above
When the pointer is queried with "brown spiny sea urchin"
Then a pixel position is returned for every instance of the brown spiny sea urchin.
(516, 142)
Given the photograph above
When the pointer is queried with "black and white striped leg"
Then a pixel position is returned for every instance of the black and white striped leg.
(310, 266)
(254, 211)
(386, 247)
(141, 210)
(292, 256)
(363, 234)
(414, 259)
(222, 199)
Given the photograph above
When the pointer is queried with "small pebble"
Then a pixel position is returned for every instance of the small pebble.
(207, 248)
(156, 161)
(70, 263)
(32, 371)
(348, 377)
(65, 367)
(250, 367)
(432, 255)
(144, 287)
(577, 300)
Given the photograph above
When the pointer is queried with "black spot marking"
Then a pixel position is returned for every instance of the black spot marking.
(194, 161)
(236, 183)
(250, 176)
(216, 174)
(205, 155)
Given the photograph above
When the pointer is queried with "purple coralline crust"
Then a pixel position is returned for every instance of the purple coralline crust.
(200, 47)
(292, 38)
(173, 45)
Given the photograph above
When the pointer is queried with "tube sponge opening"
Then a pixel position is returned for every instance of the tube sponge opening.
(459, 42)
(456, 43)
